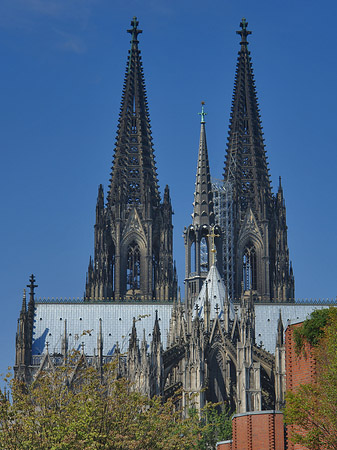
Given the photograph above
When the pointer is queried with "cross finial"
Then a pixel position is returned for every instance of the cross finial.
(202, 114)
(32, 286)
(244, 32)
(212, 235)
(134, 31)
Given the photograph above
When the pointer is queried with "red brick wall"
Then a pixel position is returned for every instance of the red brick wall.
(299, 370)
(258, 431)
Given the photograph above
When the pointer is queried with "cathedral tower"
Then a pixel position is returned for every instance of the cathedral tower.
(199, 237)
(261, 255)
(133, 231)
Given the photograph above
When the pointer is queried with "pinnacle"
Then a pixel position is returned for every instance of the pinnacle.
(23, 308)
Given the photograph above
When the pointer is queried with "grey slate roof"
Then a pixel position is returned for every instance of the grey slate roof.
(266, 318)
(83, 325)
(117, 318)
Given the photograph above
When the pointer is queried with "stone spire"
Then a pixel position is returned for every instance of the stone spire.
(246, 163)
(258, 216)
(198, 242)
(203, 197)
(134, 176)
(133, 231)
(24, 335)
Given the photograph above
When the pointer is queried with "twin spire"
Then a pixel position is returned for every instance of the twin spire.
(134, 175)
(246, 163)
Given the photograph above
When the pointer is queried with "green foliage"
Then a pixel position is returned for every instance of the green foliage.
(215, 425)
(90, 414)
(81, 409)
(311, 408)
(311, 330)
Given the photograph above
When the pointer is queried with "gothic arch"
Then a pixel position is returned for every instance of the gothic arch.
(221, 377)
(250, 262)
(133, 264)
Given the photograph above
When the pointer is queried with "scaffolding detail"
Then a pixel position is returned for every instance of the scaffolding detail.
(223, 215)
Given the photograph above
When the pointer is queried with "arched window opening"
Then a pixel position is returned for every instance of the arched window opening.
(193, 260)
(111, 268)
(154, 275)
(203, 255)
(249, 268)
(133, 267)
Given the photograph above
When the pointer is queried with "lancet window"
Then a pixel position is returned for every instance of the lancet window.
(249, 268)
(203, 255)
(133, 267)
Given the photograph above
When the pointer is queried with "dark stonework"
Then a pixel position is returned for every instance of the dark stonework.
(133, 232)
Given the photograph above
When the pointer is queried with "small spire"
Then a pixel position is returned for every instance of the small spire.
(100, 342)
(203, 213)
(156, 329)
(32, 286)
(202, 114)
(280, 189)
(167, 199)
(280, 330)
(65, 341)
(24, 305)
(133, 337)
(134, 31)
(244, 32)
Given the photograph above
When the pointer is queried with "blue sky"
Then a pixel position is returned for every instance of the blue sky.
(62, 70)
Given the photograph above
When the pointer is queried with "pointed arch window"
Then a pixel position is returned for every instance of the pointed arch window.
(133, 267)
(203, 255)
(193, 257)
(111, 267)
(249, 268)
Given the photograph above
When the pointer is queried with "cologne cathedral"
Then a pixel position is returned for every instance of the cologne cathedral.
(224, 342)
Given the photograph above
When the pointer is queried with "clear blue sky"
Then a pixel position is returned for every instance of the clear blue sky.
(62, 70)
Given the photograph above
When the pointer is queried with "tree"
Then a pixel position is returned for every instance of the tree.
(217, 425)
(312, 408)
(78, 409)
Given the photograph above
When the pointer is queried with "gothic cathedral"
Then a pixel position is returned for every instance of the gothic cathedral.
(224, 342)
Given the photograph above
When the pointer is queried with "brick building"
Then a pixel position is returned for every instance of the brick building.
(299, 370)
